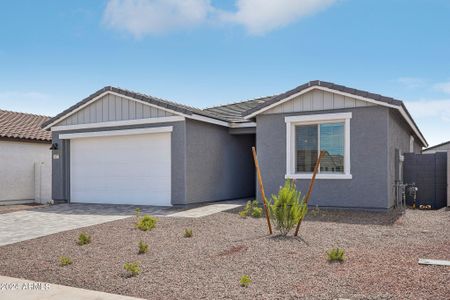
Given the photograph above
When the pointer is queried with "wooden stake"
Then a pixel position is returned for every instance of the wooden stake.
(261, 188)
(311, 185)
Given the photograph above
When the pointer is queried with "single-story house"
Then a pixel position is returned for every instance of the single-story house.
(442, 147)
(118, 146)
(25, 158)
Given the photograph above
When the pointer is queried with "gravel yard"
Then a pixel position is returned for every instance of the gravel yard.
(382, 251)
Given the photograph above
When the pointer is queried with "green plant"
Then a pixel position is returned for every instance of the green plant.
(315, 212)
(143, 247)
(132, 268)
(245, 281)
(137, 211)
(336, 254)
(287, 208)
(251, 209)
(187, 233)
(146, 223)
(64, 261)
(84, 239)
(257, 212)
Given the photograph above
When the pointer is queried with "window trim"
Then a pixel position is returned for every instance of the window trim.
(292, 121)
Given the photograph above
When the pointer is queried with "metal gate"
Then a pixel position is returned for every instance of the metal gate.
(429, 173)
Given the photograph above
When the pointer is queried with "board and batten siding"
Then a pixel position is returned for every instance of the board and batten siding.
(114, 108)
(317, 100)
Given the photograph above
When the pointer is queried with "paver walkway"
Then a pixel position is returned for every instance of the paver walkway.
(28, 224)
(14, 288)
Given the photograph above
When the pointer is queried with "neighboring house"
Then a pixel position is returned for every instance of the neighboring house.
(118, 146)
(443, 147)
(25, 158)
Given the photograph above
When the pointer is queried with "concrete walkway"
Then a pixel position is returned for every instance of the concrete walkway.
(204, 211)
(14, 288)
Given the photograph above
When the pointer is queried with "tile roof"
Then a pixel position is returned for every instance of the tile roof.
(15, 125)
(234, 112)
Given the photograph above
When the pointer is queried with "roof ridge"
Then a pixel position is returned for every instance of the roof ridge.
(239, 102)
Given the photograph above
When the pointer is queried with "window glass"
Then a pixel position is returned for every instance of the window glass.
(332, 143)
(306, 148)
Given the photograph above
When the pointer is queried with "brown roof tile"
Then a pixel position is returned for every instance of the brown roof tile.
(15, 125)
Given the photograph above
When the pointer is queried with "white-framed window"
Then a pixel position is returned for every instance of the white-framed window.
(307, 135)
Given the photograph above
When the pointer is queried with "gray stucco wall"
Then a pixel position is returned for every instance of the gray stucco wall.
(368, 156)
(61, 172)
(219, 165)
(399, 135)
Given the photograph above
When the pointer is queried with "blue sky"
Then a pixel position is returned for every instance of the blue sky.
(204, 53)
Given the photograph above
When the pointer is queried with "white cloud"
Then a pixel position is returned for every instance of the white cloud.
(261, 16)
(442, 87)
(430, 109)
(141, 17)
(412, 82)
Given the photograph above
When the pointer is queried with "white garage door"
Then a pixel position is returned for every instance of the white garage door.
(125, 169)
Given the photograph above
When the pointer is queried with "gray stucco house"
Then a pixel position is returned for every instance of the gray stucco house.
(118, 146)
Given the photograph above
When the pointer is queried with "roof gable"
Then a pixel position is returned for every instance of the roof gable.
(165, 105)
(315, 100)
(112, 107)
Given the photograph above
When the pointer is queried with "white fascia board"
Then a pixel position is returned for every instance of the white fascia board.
(68, 136)
(411, 124)
(243, 125)
(208, 120)
(119, 123)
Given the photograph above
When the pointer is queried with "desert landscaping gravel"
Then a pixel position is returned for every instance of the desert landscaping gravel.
(381, 249)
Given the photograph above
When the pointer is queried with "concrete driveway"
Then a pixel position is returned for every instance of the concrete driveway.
(29, 224)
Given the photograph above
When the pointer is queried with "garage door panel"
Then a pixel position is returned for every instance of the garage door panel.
(133, 169)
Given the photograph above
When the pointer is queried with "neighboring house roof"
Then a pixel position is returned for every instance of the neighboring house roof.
(234, 112)
(436, 146)
(15, 125)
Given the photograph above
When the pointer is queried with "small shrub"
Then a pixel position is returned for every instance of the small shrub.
(64, 261)
(143, 247)
(187, 233)
(336, 254)
(315, 212)
(137, 211)
(146, 223)
(257, 212)
(243, 214)
(132, 268)
(251, 209)
(245, 281)
(84, 239)
(287, 208)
